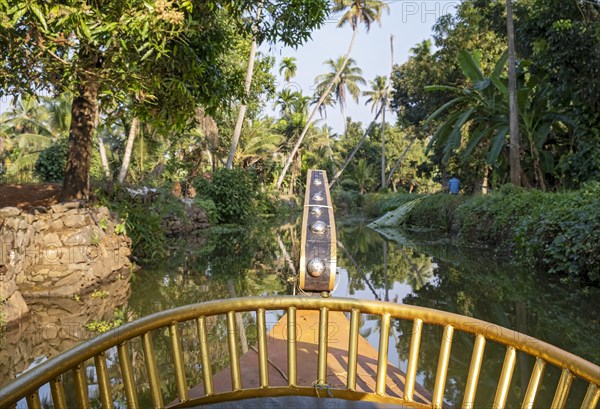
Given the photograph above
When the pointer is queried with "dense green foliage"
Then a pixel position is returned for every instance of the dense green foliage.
(557, 89)
(50, 165)
(554, 232)
(233, 191)
(559, 233)
(141, 218)
(436, 211)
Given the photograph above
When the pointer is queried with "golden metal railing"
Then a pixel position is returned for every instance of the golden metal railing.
(50, 372)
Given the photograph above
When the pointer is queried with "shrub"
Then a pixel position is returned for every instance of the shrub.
(563, 237)
(233, 191)
(50, 164)
(142, 218)
(209, 207)
(435, 212)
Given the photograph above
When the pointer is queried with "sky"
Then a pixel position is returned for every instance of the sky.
(410, 22)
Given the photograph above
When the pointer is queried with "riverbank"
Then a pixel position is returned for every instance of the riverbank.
(554, 232)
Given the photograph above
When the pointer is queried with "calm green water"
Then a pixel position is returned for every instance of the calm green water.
(420, 271)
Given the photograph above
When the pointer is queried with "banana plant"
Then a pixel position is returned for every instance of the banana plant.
(481, 113)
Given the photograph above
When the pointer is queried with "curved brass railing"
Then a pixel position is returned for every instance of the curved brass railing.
(51, 371)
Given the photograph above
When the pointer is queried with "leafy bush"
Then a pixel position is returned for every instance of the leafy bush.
(50, 164)
(269, 203)
(209, 207)
(563, 236)
(142, 218)
(233, 191)
(556, 232)
(435, 212)
(490, 219)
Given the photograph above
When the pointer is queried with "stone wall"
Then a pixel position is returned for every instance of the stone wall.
(57, 252)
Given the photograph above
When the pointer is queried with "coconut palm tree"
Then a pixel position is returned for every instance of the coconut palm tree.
(355, 12)
(258, 142)
(328, 102)
(379, 97)
(361, 177)
(348, 82)
(291, 102)
(31, 127)
(288, 68)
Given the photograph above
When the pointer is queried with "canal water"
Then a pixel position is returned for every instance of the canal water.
(393, 266)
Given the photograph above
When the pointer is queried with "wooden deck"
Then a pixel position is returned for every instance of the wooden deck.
(307, 353)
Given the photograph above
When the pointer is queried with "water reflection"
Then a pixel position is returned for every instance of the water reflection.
(418, 270)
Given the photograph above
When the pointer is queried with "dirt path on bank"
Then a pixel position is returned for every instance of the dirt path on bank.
(28, 197)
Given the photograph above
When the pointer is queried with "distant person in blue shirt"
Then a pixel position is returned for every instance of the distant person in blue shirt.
(454, 186)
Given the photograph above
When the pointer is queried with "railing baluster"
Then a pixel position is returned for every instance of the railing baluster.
(33, 401)
(127, 374)
(236, 379)
(152, 371)
(474, 371)
(592, 396)
(413, 359)
(442, 368)
(353, 349)
(505, 376)
(562, 390)
(263, 361)
(103, 381)
(57, 390)
(291, 346)
(534, 383)
(322, 363)
(182, 388)
(204, 357)
(81, 387)
(384, 342)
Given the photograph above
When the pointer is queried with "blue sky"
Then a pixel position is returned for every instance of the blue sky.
(409, 21)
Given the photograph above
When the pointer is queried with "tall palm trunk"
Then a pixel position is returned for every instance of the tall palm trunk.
(309, 121)
(356, 148)
(399, 161)
(128, 148)
(101, 147)
(515, 149)
(383, 182)
(235, 138)
(83, 113)
(343, 109)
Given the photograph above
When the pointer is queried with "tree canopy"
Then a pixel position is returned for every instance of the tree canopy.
(160, 57)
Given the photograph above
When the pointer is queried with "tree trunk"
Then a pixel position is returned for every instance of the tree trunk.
(128, 148)
(235, 138)
(514, 155)
(309, 121)
(485, 182)
(343, 109)
(383, 182)
(79, 155)
(356, 148)
(101, 148)
(399, 161)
